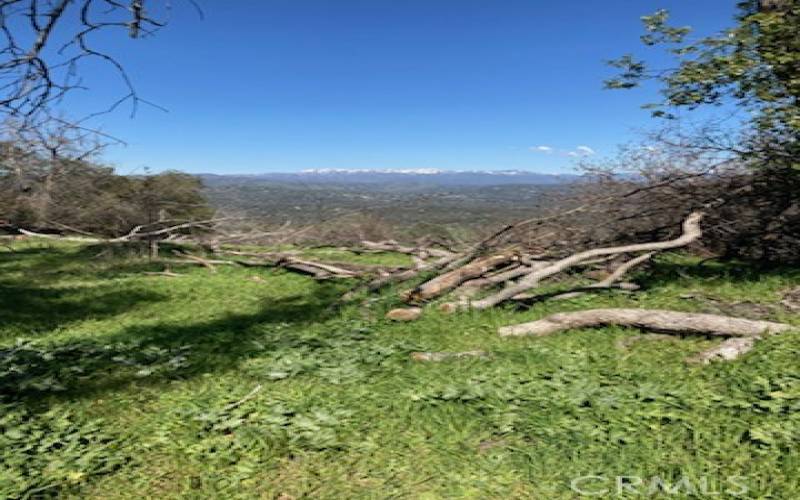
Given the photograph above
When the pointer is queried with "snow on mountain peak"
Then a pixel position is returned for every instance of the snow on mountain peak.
(411, 171)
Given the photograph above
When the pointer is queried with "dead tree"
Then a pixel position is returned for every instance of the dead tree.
(39, 61)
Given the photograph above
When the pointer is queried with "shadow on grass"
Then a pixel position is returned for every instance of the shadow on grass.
(160, 353)
(30, 306)
(156, 354)
(36, 311)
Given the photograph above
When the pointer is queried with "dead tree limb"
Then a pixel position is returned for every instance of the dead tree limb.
(78, 239)
(623, 269)
(333, 271)
(448, 281)
(467, 290)
(672, 322)
(610, 281)
(199, 260)
(409, 274)
(691, 232)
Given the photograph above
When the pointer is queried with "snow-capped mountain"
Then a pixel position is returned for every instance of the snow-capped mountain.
(417, 176)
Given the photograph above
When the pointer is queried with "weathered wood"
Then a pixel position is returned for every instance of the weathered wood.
(648, 319)
(331, 269)
(691, 232)
(470, 287)
(405, 275)
(608, 283)
(404, 314)
(450, 280)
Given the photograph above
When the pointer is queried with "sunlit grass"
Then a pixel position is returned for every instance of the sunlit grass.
(166, 367)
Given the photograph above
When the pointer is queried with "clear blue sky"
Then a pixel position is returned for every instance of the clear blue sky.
(284, 85)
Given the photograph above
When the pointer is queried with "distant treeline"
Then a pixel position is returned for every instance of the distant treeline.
(48, 194)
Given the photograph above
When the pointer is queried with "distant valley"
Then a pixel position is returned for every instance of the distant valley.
(462, 199)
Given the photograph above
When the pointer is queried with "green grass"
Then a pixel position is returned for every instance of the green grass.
(119, 385)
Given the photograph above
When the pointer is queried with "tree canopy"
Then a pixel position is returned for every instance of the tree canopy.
(754, 65)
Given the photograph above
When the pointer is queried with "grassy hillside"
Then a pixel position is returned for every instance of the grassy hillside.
(116, 384)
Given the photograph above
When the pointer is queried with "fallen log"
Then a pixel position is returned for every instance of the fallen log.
(691, 232)
(609, 282)
(405, 275)
(330, 269)
(450, 280)
(404, 314)
(673, 322)
(740, 334)
(471, 287)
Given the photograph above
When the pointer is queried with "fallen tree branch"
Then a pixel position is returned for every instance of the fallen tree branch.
(623, 269)
(740, 334)
(199, 260)
(648, 319)
(328, 268)
(136, 232)
(450, 280)
(402, 276)
(691, 232)
(610, 281)
(79, 239)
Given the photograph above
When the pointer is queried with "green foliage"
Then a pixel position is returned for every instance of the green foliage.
(54, 194)
(342, 411)
(28, 367)
(754, 65)
(53, 452)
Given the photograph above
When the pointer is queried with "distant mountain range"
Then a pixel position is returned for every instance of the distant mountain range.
(411, 177)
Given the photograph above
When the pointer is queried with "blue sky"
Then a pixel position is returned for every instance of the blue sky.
(285, 85)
